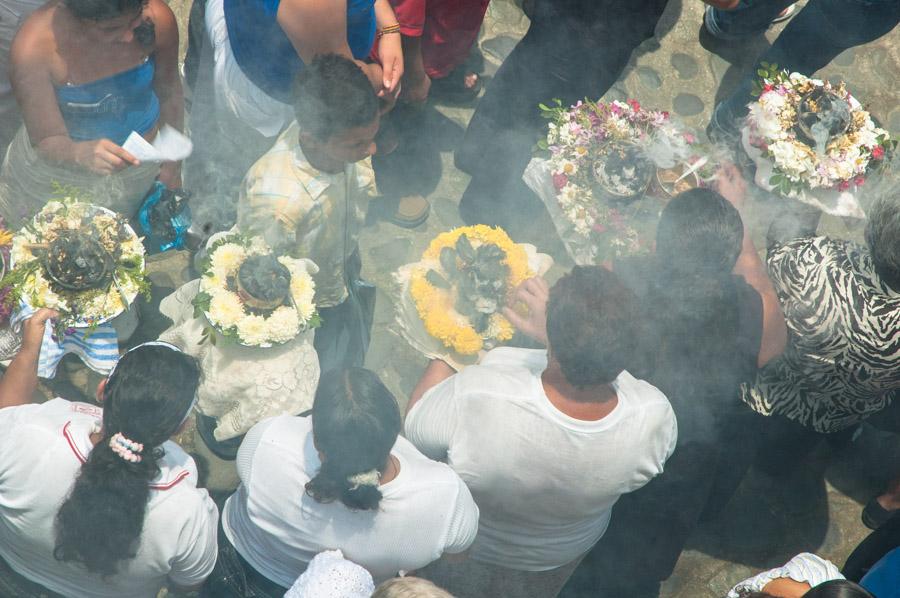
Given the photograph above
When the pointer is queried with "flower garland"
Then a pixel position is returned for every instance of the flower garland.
(28, 280)
(580, 139)
(772, 125)
(219, 301)
(436, 306)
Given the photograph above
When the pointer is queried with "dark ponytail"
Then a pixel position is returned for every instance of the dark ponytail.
(146, 399)
(693, 299)
(355, 422)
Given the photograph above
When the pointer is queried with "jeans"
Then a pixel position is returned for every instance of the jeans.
(819, 32)
(572, 50)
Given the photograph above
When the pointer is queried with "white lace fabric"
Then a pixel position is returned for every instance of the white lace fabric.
(241, 385)
(330, 575)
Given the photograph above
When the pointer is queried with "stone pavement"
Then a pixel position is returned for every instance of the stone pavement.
(816, 506)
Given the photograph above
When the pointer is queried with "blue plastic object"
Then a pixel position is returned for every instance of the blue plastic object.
(165, 218)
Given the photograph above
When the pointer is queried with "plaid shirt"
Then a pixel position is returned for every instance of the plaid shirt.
(297, 208)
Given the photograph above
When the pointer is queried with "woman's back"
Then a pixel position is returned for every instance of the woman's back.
(42, 449)
(425, 511)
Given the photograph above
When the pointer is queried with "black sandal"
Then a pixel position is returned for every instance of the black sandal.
(874, 515)
(452, 88)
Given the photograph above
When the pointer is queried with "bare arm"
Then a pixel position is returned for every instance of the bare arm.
(167, 82)
(436, 372)
(774, 336)
(20, 380)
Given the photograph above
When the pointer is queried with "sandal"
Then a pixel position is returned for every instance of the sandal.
(406, 212)
(874, 515)
(452, 88)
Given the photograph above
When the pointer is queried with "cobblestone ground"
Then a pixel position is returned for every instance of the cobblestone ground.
(817, 506)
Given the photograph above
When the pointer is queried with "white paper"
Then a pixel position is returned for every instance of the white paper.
(170, 145)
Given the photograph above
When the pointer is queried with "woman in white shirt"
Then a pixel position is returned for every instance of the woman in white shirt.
(98, 502)
(340, 479)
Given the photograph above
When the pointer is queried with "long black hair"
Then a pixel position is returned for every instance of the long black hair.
(355, 422)
(838, 588)
(145, 399)
(693, 299)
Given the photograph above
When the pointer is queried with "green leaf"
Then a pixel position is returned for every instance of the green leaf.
(762, 73)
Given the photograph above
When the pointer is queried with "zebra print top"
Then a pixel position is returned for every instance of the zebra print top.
(842, 362)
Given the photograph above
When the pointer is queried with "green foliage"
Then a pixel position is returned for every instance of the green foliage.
(768, 74)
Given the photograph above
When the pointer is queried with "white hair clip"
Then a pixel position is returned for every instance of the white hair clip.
(366, 478)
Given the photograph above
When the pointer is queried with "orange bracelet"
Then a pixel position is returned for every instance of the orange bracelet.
(389, 29)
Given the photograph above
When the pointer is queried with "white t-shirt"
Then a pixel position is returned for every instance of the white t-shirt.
(42, 448)
(545, 482)
(271, 521)
(805, 567)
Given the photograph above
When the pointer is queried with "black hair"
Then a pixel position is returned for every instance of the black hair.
(883, 239)
(355, 422)
(333, 95)
(592, 326)
(146, 399)
(838, 588)
(101, 10)
(692, 299)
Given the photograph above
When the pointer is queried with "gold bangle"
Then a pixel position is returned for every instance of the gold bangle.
(395, 28)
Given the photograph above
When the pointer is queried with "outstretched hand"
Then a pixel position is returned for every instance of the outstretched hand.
(533, 293)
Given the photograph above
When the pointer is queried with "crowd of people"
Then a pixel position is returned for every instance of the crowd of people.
(575, 461)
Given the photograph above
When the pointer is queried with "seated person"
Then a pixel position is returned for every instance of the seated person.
(295, 197)
(715, 317)
(795, 579)
(87, 73)
(841, 303)
(342, 479)
(547, 440)
(98, 502)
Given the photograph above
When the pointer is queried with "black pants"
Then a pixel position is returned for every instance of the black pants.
(572, 50)
(343, 338)
(233, 577)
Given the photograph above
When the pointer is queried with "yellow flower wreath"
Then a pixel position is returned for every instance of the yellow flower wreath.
(435, 306)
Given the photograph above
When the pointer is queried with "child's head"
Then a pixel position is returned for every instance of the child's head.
(409, 587)
(337, 109)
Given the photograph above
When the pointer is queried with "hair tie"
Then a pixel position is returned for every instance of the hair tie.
(366, 478)
(127, 449)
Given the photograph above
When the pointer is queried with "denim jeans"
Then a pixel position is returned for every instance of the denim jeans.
(820, 31)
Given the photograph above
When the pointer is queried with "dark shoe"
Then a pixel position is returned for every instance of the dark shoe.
(224, 449)
(408, 211)
(874, 515)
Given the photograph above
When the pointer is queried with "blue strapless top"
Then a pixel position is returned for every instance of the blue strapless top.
(111, 107)
(266, 55)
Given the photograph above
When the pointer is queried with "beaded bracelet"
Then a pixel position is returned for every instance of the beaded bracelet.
(395, 28)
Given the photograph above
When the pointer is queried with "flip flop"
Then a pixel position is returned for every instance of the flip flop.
(874, 515)
(452, 88)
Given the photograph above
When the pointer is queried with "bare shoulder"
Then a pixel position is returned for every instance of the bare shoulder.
(164, 23)
(37, 38)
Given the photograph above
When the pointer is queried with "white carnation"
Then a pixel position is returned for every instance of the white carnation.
(228, 257)
(253, 330)
(226, 309)
(282, 324)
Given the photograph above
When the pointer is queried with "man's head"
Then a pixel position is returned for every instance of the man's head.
(592, 326)
(337, 109)
(883, 238)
